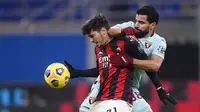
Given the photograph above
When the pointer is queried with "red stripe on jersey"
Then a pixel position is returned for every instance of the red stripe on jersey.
(99, 54)
(111, 70)
(120, 43)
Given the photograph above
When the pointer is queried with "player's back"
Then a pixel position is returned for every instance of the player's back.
(115, 83)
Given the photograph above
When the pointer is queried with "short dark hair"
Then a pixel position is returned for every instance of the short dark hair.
(151, 12)
(95, 23)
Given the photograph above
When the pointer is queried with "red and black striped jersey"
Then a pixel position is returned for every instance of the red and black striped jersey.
(116, 83)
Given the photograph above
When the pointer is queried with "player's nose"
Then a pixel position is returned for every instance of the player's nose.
(91, 40)
(137, 24)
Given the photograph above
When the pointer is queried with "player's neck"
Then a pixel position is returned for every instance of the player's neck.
(108, 39)
(150, 34)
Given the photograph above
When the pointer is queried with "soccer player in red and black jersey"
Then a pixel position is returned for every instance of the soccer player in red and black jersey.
(115, 83)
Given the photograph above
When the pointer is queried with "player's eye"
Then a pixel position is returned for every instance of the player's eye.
(91, 36)
(141, 22)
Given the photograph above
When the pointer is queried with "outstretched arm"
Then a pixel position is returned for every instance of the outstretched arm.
(93, 72)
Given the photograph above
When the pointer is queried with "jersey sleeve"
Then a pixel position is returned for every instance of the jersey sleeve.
(126, 24)
(160, 48)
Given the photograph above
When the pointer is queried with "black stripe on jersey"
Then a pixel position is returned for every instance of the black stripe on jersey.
(113, 45)
(105, 73)
(114, 82)
(105, 70)
(128, 84)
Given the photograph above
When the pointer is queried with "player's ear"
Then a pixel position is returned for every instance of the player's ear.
(103, 31)
(153, 25)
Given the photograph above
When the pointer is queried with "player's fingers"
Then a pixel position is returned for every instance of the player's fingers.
(114, 57)
(114, 64)
(68, 64)
(164, 102)
(172, 100)
(132, 31)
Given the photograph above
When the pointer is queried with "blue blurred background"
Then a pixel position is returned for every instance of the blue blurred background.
(36, 33)
(25, 57)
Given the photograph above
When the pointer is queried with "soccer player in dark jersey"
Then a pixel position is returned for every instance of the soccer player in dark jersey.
(115, 83)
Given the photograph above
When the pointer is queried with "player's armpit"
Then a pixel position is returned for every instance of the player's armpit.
(114, 31)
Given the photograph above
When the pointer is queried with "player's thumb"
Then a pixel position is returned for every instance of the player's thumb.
(69, 66)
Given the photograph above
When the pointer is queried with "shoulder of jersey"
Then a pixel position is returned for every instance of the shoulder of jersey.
(131, 23)
(159, 38)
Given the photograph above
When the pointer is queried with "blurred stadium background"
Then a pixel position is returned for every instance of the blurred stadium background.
(36, 33)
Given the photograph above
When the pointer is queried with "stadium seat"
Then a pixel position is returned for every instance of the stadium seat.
(43, 15)
(167, 8)
(10, 10)
(186, 106)
(37, 3)
(193, 90)
(10, 4)
(15, 10)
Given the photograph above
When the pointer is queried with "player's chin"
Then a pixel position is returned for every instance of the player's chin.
(98, 44)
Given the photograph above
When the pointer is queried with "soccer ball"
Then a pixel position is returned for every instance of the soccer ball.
(56, 75)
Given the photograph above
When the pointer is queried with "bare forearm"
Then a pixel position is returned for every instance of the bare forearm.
(114, 31)
(146, 64)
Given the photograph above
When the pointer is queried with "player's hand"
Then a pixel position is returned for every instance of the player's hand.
(70, 68)
(128, 31)
(119, 60)
(164, 96)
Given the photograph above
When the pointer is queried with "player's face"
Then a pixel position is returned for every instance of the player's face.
(97, 38)
(142, 25)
